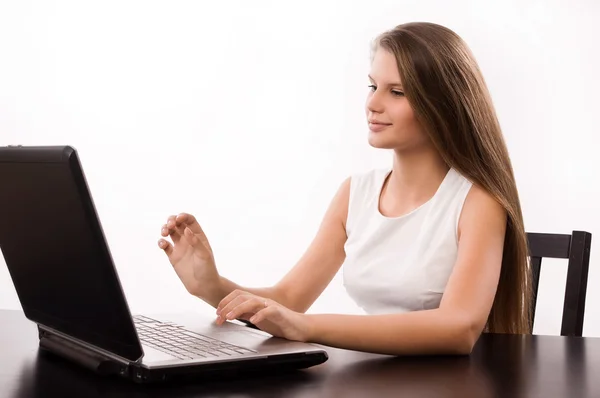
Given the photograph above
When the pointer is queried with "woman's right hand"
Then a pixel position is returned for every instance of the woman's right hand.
(190, 254)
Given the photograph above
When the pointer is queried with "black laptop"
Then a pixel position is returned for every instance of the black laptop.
(64, 276)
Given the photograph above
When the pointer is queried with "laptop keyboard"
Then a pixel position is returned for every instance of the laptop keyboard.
(181, 343)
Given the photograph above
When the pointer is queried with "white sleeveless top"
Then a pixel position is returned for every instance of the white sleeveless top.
(401, 264)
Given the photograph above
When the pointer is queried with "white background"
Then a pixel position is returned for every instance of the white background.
(250, 114)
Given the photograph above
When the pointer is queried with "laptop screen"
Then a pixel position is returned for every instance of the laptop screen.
(55, 251)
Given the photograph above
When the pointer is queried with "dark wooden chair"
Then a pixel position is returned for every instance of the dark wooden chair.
(575, 248)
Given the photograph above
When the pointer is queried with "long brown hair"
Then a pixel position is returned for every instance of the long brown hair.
(445, 87)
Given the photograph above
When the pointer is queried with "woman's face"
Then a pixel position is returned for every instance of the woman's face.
(392, 124)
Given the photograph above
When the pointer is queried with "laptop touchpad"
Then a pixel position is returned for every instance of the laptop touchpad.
(244, 338)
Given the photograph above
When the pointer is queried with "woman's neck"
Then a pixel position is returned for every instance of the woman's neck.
(415, 176)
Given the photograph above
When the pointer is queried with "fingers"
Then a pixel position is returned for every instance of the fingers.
(170, 228)
(265, 313)
(230, 307)
(166, 246)
(164, 231)
(187, 219)
(227, 299)
(241, 305)
(191, 222)
(191, 239)
(176, 225)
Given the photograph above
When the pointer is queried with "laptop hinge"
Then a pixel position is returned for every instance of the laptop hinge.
(81, 353)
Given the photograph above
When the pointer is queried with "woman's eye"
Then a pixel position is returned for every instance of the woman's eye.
(396, 93)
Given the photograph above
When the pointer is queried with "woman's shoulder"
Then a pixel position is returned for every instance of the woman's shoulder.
(366, 183)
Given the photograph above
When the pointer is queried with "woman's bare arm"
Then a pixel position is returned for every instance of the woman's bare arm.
(455, 326)
(305, 282)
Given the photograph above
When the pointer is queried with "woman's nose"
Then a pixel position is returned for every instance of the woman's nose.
(374, 103)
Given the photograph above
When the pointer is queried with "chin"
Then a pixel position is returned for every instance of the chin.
(380, 142)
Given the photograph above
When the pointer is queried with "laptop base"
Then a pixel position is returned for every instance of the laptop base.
(104, 366)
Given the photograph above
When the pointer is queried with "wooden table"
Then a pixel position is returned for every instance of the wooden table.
(500, 366)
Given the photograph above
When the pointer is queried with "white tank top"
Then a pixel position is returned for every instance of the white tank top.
(401, 264)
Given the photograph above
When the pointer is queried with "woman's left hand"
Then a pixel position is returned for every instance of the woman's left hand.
(266, 314)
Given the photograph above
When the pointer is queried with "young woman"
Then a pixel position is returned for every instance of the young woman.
(433, 248)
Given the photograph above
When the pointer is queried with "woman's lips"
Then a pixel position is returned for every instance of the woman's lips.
(377, 127)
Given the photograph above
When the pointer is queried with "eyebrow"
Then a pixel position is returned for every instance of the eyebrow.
(390, 84)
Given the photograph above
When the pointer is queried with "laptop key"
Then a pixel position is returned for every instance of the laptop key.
(140, 318)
